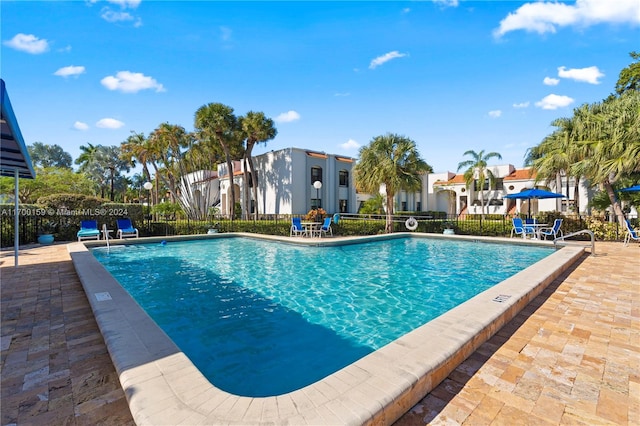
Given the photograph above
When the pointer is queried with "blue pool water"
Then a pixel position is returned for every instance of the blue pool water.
(260, 318)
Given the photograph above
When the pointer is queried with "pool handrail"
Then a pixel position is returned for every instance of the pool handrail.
(582, 231)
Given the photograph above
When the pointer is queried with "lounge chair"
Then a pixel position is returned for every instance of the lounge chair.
(631, 233)
(520, 229)
(88, 230)
(126, 229)
(297, 228)
(325, 228)
(554, 230)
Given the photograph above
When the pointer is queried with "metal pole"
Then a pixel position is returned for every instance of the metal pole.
(16, 237)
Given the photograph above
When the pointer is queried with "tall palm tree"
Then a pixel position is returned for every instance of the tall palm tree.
(108, 160)
(611, 130)
(167, 146)
(256, 128)
(135, 148)
(392, 161)
(87, 156)
(216, 122)
(556, 154)
(476, 170)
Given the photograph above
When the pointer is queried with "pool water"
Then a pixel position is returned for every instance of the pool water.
(261, 318)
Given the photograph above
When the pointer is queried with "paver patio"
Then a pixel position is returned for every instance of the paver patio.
(571, 357)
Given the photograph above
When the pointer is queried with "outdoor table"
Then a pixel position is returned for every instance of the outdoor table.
(310, 227)
(536, 227)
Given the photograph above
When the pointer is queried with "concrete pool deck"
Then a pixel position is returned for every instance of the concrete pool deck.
(605, 293)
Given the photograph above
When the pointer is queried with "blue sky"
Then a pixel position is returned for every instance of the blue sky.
(451, 75)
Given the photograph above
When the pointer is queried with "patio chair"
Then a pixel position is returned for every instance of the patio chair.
(554, 230)
(631, 233)
(88, 230)
(520, 229)
(297, 228)
(126, 229)
(325, 228)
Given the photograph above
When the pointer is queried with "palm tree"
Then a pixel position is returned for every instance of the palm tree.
(108, 160)
(391, 161)
(256, 128)
(556, 155)
(216, 122)
(476, 170)
(167, 145)
(611, 130)
(87, 156)
(135, 148)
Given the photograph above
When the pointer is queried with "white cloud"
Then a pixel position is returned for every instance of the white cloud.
(447, 3)
(131, 82)
(341, 95)
(112, 16)
(385, 58)
(406, 10)
(350, 145)
(587, 75)
(521, 105)
(126, 3)
(28, 43)
(554, 101)
(495, 113)
(71, 70)
(79, 125)
(287, 117)
(109, 123)
(546, 17)
(549, 81)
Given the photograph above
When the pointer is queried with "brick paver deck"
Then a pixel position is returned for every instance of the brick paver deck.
(572, 357)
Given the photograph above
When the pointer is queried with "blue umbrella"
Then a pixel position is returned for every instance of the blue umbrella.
(530, 194)
(634, 188)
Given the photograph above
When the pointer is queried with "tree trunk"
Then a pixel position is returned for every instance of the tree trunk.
(617, 209)
(254, 181)
(389, 222)
(245, 187)
(576, 194)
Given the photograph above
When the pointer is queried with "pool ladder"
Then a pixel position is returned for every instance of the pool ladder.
(583, 231)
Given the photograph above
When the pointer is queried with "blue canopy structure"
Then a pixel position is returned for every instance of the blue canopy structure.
(530, 194)
(14, 157)
(634, 188)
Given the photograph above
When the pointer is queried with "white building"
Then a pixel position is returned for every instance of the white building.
(286, 183)
(447, 192)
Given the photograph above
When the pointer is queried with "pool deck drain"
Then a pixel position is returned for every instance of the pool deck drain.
(617, 312)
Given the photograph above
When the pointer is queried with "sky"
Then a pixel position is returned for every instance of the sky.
(452, 75)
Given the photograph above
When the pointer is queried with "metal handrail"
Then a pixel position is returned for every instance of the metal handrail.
(583, 231)
(106, 235)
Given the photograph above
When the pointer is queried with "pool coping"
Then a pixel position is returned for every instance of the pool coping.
(164, 387)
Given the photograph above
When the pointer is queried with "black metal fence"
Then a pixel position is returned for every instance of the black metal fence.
(65, 228)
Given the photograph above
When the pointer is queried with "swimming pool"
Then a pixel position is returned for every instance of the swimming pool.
(260, 318)
(163, 386)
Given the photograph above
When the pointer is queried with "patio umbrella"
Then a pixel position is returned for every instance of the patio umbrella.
(534, 194)
(634, 188)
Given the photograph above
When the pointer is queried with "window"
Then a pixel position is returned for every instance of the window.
(316, 203)
(499, 184)
(404, 206)
(343, 206)
(343, 178)
(419, 206)
(316, 174)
